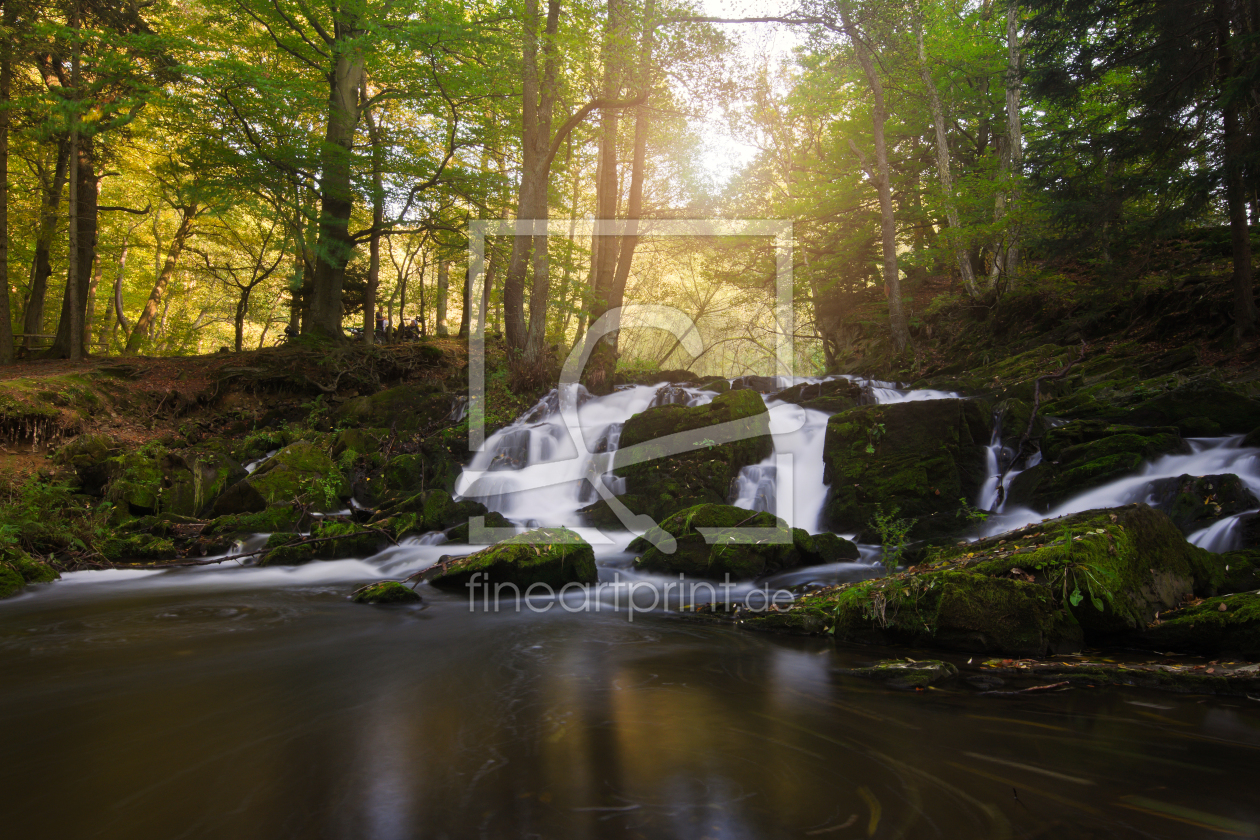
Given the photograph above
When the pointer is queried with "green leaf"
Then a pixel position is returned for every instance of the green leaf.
(1076, 597)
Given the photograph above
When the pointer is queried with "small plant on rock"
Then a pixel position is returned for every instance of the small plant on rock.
(893, 534)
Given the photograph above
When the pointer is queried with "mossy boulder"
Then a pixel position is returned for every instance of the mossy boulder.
(328, 540)
(386, 592)
(1224, 409)
(460, 533)
(1227, 625)
(832, 395)
(17, 569)
(548, 556)
(661, 480)
(88, 455)
(300, 472)
(194, 478)
(405, 408)
(138, 548)
(1093, 577)
(136, 480)
(355, 440)
(918, 457)
(1086, 454)
(432, 510)
(709, 545)
(268, 520)
(1194, 502)
(1241, 569)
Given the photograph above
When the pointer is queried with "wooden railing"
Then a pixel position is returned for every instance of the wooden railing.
(41, 341)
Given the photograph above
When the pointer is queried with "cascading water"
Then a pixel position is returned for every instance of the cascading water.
(1207, 456)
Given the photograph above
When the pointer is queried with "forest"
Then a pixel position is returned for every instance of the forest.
(182, 177)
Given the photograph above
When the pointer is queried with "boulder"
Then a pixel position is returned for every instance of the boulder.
(1094, 577)
(660, 480)
(433, 510)
(405, 408)
(195, 478)
(1194, 502)
(299, 472)
(17, 569)
(1203, 407)
(832, 395)
(386, 592)
(328, 540)
(920, 457)
(88, 455)
(355, 440)
(548, 556)
(723, 552)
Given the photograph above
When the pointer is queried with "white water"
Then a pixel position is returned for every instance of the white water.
(1208, 456)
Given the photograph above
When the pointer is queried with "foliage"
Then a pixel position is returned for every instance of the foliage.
(893, 533)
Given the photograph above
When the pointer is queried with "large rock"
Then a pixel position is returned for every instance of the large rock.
(1228, 625)
(195, 478)
(548, 556)
(300, 472)
(726, 552)
(433, 510)
(1189, 406)
(17, 569)
(1093, 577)
(386, 592)
(88, 455)
(661, 480)
(831, 395)
(918, 457)
(328, 540)
(1195, 502)
(406, 408)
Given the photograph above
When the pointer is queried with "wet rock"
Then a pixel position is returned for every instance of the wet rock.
(833, 395)
(906, 673)
(406, 408)
(760, 384)
(1228, 625)
(432, 510)
(17, 569)
(386, 592)
(328, 540)
(1094, 577)
(272, 518)
(1188, 407)
(660, 480)
(460, 532)
(1196, 502)
(821, 548)
(715, 384)
(729, 553)
(194, 478)
(548, 556)
(138, 548)
(1086, 454)
(920, 457)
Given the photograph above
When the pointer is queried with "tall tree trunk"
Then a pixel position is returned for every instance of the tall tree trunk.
(1235, 149)
(6, 82)
(119, 315)
(335, 247)
(443, 287)
(880, 175)
(89, 312)
(611, 293)
(242, 309)
(943, 169)
(144, 324)
(378, 220)
(41, 264)
(1014, 135)
(83, 219)
(465, 323)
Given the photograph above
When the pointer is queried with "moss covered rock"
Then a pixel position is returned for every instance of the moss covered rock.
(548, 556)
(406, 408)
(136, 480)
(386, 592)
(831, 395)
(360, 441)
(660, 480)
(17, 569)
(88, 455)
(918, 457)
(709, 545)
(300, 472)
(268, 520)
(328, 540)
(1092, 577)
(433, 510)
(1228, 625)
(194, 478)
(1224, 409)
(1194, 502)
(138, 548)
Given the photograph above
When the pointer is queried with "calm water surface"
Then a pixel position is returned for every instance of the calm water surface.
(217, 703)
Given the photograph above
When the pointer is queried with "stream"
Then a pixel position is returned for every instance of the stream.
(242, 702)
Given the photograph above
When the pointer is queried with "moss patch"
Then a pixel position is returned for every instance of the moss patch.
(386, 592)
(550, 556)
